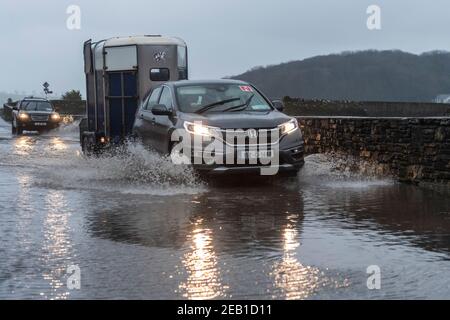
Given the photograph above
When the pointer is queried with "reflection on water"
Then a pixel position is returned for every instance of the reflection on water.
(204, 279)
(57, 245)
(294, 279)
(142, 232)
(24, 212)
(56, 144)
(24, 145)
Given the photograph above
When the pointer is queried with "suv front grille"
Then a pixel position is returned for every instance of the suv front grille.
(249, 137)
(39, 117)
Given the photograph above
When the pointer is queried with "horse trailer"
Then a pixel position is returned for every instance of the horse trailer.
(119, 74)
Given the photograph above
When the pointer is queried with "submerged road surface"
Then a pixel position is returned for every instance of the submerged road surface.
(136, 226)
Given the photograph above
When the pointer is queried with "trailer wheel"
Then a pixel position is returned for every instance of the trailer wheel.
(134, 138)
(86, 146)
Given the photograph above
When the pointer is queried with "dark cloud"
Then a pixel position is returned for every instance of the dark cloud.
(225, 37)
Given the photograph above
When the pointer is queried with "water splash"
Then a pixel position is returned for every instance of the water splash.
(135, 170)
(70, 129)
(345, 171)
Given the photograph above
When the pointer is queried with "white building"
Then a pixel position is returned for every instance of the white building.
(442, 98)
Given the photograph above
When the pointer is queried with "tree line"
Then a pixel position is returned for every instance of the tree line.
(359, 76)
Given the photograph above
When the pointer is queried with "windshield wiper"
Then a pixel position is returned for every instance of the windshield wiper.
(241, 106)
(215, 104)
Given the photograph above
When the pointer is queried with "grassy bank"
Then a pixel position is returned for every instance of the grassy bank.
(70, 107)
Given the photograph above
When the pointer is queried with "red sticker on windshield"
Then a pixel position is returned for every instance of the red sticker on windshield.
(246, 88)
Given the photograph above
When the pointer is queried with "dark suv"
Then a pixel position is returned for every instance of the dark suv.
(34, 114)
(222, 126)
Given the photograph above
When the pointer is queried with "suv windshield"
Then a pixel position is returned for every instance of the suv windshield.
(220, 98)
(36, 106)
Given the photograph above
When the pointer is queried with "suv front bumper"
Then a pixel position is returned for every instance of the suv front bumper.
(37, 125)
(288, 160)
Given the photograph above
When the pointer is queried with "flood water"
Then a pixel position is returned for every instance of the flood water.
(140, 228)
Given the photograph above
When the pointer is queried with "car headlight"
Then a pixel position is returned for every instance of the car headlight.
(199, 129)
(55, 117)
(23, 116)
(288, 127)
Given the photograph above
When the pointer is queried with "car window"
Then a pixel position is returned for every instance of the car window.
(166, 98)
(145, 102)
(192, 98)
(153, 98)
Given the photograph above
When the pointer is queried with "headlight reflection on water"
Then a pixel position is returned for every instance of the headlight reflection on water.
(57, 245)
(295, 280)
(24, 145)
(56, 144)
(204, 279)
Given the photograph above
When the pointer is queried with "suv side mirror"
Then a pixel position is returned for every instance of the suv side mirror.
(278, 104)
(161, 110)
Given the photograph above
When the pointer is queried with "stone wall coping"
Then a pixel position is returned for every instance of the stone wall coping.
(369, 118)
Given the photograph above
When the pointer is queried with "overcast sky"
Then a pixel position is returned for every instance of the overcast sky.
(225, 37)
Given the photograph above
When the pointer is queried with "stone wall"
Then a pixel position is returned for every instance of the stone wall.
(415, 149)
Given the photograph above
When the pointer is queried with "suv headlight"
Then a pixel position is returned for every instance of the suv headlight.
(55, 117)
(23, 116)
(199, 129)
(288, 127)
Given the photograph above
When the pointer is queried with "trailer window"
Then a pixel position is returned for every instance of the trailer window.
(182, 61)
(159, 74)
(121, 58)
(182, 74)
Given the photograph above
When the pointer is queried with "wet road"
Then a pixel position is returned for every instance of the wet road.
(138, 227)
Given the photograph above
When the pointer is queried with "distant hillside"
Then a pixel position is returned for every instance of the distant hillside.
(360, 76)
